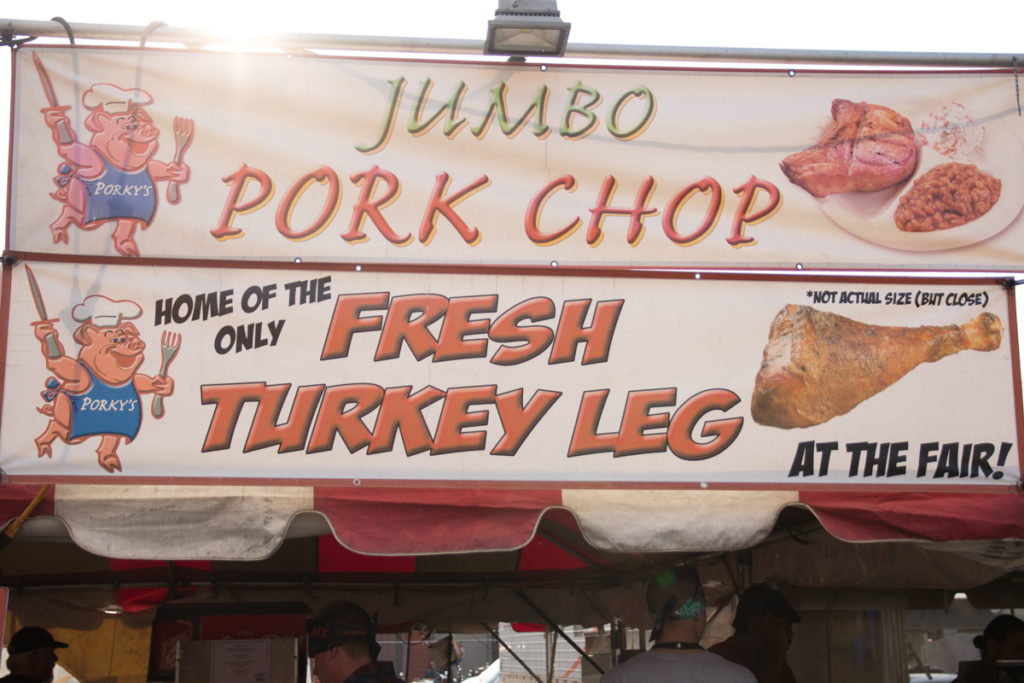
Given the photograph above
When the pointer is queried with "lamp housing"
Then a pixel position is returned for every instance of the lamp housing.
(523, 28)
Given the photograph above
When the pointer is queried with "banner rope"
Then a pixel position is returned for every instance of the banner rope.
(149, 29)
(67, 28)
(1016, 82)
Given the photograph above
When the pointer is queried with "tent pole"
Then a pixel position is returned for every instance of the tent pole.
(197, 38)
(494, 634)
(448, 654)
(828, 641)
(408, 654)
(550, 643)
(615, 636)
(560, 632)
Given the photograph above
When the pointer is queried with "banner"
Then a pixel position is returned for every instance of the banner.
(579, 380)
(284, 157)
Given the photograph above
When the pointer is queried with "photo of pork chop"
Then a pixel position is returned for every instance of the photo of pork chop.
(819, 365)
(866, 148)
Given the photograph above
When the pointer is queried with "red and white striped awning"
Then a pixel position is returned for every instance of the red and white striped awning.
(470, 551)
(250, 522)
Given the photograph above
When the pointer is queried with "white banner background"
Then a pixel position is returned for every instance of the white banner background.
(692, 335)
(290, 116)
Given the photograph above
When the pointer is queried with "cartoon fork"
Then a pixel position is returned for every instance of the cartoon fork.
(183, 130)
(170, 342)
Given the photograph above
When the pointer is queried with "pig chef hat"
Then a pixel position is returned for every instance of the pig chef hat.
(115, 100)
(104, 312)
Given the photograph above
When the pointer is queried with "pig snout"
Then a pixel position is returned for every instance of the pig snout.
(142, 130)
(132, 346)
(128, 344)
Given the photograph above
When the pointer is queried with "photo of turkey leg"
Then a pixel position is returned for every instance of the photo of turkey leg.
(819, 365)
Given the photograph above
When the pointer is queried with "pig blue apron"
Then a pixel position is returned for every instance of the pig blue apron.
(120, 194)
(105, 409)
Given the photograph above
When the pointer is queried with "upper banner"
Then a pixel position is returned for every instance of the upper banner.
(147, 371)
(239, 156)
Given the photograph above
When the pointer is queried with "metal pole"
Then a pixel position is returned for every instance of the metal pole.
(549, 649)
(512, 652)
(554, 627)
(408, 654)
(448, 656)
(11, 29)
(615, 636)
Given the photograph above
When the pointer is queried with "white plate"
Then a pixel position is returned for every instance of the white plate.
(869, 215)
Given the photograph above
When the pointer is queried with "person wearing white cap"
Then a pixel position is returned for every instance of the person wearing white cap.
(31, 656)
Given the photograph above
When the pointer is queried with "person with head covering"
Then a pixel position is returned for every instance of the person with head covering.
(342, 641)
(1003, 639)
(31, 656)
(676, 602)
(763, 626)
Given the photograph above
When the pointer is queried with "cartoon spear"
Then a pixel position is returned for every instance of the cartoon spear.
(63, 134)
(52, 349)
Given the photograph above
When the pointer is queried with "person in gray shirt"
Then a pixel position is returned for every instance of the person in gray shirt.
(675, 599)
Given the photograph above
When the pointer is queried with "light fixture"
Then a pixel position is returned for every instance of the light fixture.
(526, 27)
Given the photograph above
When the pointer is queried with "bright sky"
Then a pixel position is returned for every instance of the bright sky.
(977, 26)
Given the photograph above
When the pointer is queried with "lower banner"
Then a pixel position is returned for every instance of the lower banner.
(574, 379)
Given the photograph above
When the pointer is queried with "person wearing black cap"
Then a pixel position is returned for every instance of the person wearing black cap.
(764, 630)
(676, 602)
(343, 644)
(31, 656)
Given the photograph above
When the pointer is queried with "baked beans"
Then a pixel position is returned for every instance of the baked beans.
(947, 196)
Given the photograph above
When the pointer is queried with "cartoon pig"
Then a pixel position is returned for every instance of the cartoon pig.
(113, 178)
(99, 392)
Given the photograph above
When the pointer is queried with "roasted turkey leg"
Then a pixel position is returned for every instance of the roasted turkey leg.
(818, 365)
